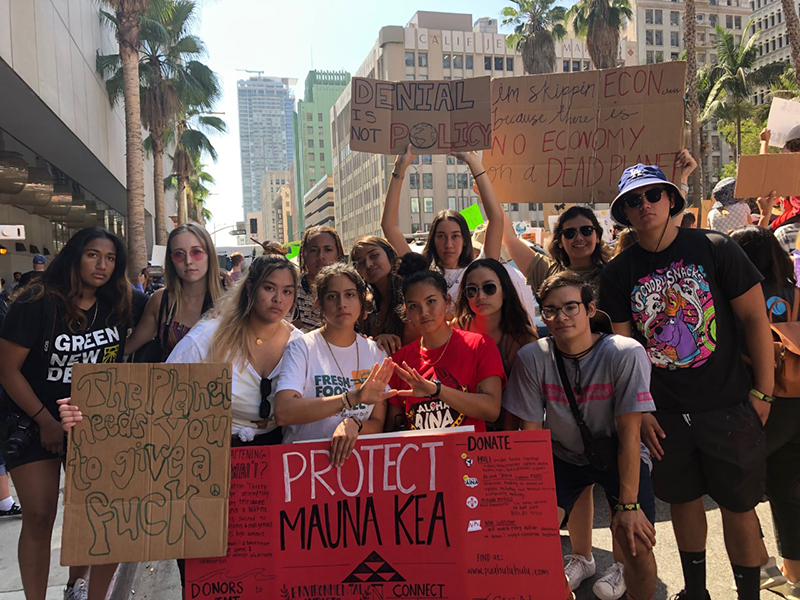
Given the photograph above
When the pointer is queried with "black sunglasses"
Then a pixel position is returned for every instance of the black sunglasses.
(635, 199)
(265, 410)
(490, 289)
(585, 231)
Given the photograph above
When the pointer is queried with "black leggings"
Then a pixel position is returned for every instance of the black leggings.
(783, 473)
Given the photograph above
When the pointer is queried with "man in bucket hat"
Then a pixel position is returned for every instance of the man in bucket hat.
(680, 292)
(728, 212)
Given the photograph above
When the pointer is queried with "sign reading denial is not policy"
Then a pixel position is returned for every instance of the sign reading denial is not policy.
(148, 467)
(568, 137)
(436, 117)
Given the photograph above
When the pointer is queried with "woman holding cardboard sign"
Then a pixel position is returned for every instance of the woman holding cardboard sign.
(449, 246)
(78, 311)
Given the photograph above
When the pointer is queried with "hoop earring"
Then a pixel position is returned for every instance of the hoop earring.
(296, 313)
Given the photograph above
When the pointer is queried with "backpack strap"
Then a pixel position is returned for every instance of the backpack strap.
(795, 305)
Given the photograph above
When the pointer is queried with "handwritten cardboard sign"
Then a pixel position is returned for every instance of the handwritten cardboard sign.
(760, 174)
(568, 137)
(459, 515)
(148, 467)
(436, 117)
(784, 115)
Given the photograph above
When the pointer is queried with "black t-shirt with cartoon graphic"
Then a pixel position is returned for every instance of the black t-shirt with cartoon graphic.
(40, 326)
(679, 301)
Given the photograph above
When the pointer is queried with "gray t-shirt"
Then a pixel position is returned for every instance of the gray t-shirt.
(614, 380)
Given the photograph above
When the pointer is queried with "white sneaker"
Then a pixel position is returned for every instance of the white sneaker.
(77, 591)
(771, 575)
(577, 569)
(611, 586)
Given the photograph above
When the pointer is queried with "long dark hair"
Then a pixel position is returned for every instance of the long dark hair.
(515, 321)
(394, 322)
(323, 280)
(62, 283)
(601, 254)
(429, 251)
(414, 269)
(766, 253)
(311, 232)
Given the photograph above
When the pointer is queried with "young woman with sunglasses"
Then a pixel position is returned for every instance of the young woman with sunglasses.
(448, 377)
(332, 383)
(376, 261)
(448, 247)
(192, 286)
(319, 248)
(78, 311)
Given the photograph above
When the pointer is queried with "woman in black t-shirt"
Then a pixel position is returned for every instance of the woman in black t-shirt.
(78, 312)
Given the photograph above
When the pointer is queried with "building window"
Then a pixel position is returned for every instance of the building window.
(410, 77)
(566, 66)
(673, 39)
(413, 181)
(409, 59)
(311, 143)
(427, 159)
(650, 57)
(423, 77)
(659, 17)
(531, 206)
(309, 130)
(468, 60)
(427, 181)
(254, 226)
(674, 18)
(674, 56)
(428, 204)
(576, 65)
(659, 37)
(487, 63)
(451, 181)
(729, 21)
(451, 160)
(715, 143)
(414, 205)
(648, 16)
(648, 37)
(587, 65)
(310, 156)
(312, 181)
(712, 19)
(309, 117)
(451, 203)
(312, 169)
(737, 22)
(458, 61)
(422, 59)
(446, 61)
(510, 64)
(498, 63)
(659, 56)
(322, 156)
(319, 117)
(462, 181)
(514, 207)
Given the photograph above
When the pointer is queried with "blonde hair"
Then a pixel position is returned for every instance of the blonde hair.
(174, 284)
(230, 343)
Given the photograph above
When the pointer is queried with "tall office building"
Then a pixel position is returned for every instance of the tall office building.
(266, 136)
(773, 43)
(313, 131)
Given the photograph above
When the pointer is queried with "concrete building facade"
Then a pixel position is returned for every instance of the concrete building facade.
(283, 215)
(773, 43)
(266, 135)
(318, 204)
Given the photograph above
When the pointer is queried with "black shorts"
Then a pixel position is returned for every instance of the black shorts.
(719, 452)
(571, 480)
(34, 452)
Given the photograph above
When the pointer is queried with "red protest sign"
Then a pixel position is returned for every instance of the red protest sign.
(459, 515)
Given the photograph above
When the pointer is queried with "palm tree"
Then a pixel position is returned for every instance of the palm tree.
(599, 21)
(787, 86)
(537, 26)
(125, 17)
(690, 38)
(793, 29)
(197, 191)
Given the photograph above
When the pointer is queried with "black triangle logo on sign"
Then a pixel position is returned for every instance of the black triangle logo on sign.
(373, 569)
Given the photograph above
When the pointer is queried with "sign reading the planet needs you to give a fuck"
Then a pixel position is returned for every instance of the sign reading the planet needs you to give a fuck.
(435, 117)
(567, 137)
(457, 515)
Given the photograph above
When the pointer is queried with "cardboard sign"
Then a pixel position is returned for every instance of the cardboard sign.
(783, 116)
(148, 467)
(568, 137)
(760, 174)
(457, 515)
(436, 117)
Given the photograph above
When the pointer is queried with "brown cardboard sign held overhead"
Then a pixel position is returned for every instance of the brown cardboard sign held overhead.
(568, 137)
(148, 467)
(760, 174)
(436, 117)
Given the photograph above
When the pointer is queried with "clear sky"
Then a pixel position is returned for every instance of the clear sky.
(279, 38)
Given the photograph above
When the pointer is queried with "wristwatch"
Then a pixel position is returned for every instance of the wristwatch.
(438, 391)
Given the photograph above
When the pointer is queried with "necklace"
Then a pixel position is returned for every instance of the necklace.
(576, 358)
(259, 341)
(94, 317)
(447, 343)
(358, 359)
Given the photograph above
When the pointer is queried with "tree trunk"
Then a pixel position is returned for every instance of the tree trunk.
(738, 138)
(157, 136)
(182, 205)
(793, 29)
(690, 38)
(128, 36)
(602, 41)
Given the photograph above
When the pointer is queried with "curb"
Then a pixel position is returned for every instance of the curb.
(121, 584)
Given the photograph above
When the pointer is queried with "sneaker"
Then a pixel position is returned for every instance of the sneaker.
(771, 575)
(14, 511)
(683, 596)
(611, 585)
(577, 569)
(77, 591)
(789, 590)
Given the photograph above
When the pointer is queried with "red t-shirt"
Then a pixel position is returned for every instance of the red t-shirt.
(468, 359)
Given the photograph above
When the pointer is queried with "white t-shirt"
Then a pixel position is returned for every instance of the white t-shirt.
(453, 278)
(310, 369)
(523, 291)
(246, 382)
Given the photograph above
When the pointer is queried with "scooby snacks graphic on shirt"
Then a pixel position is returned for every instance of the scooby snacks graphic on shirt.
(674, 310)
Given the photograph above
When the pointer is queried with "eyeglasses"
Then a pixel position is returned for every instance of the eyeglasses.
(179, 256)
(570, 309)
(265, 410)
(490, 289)
(585, 231)
(635, 199)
